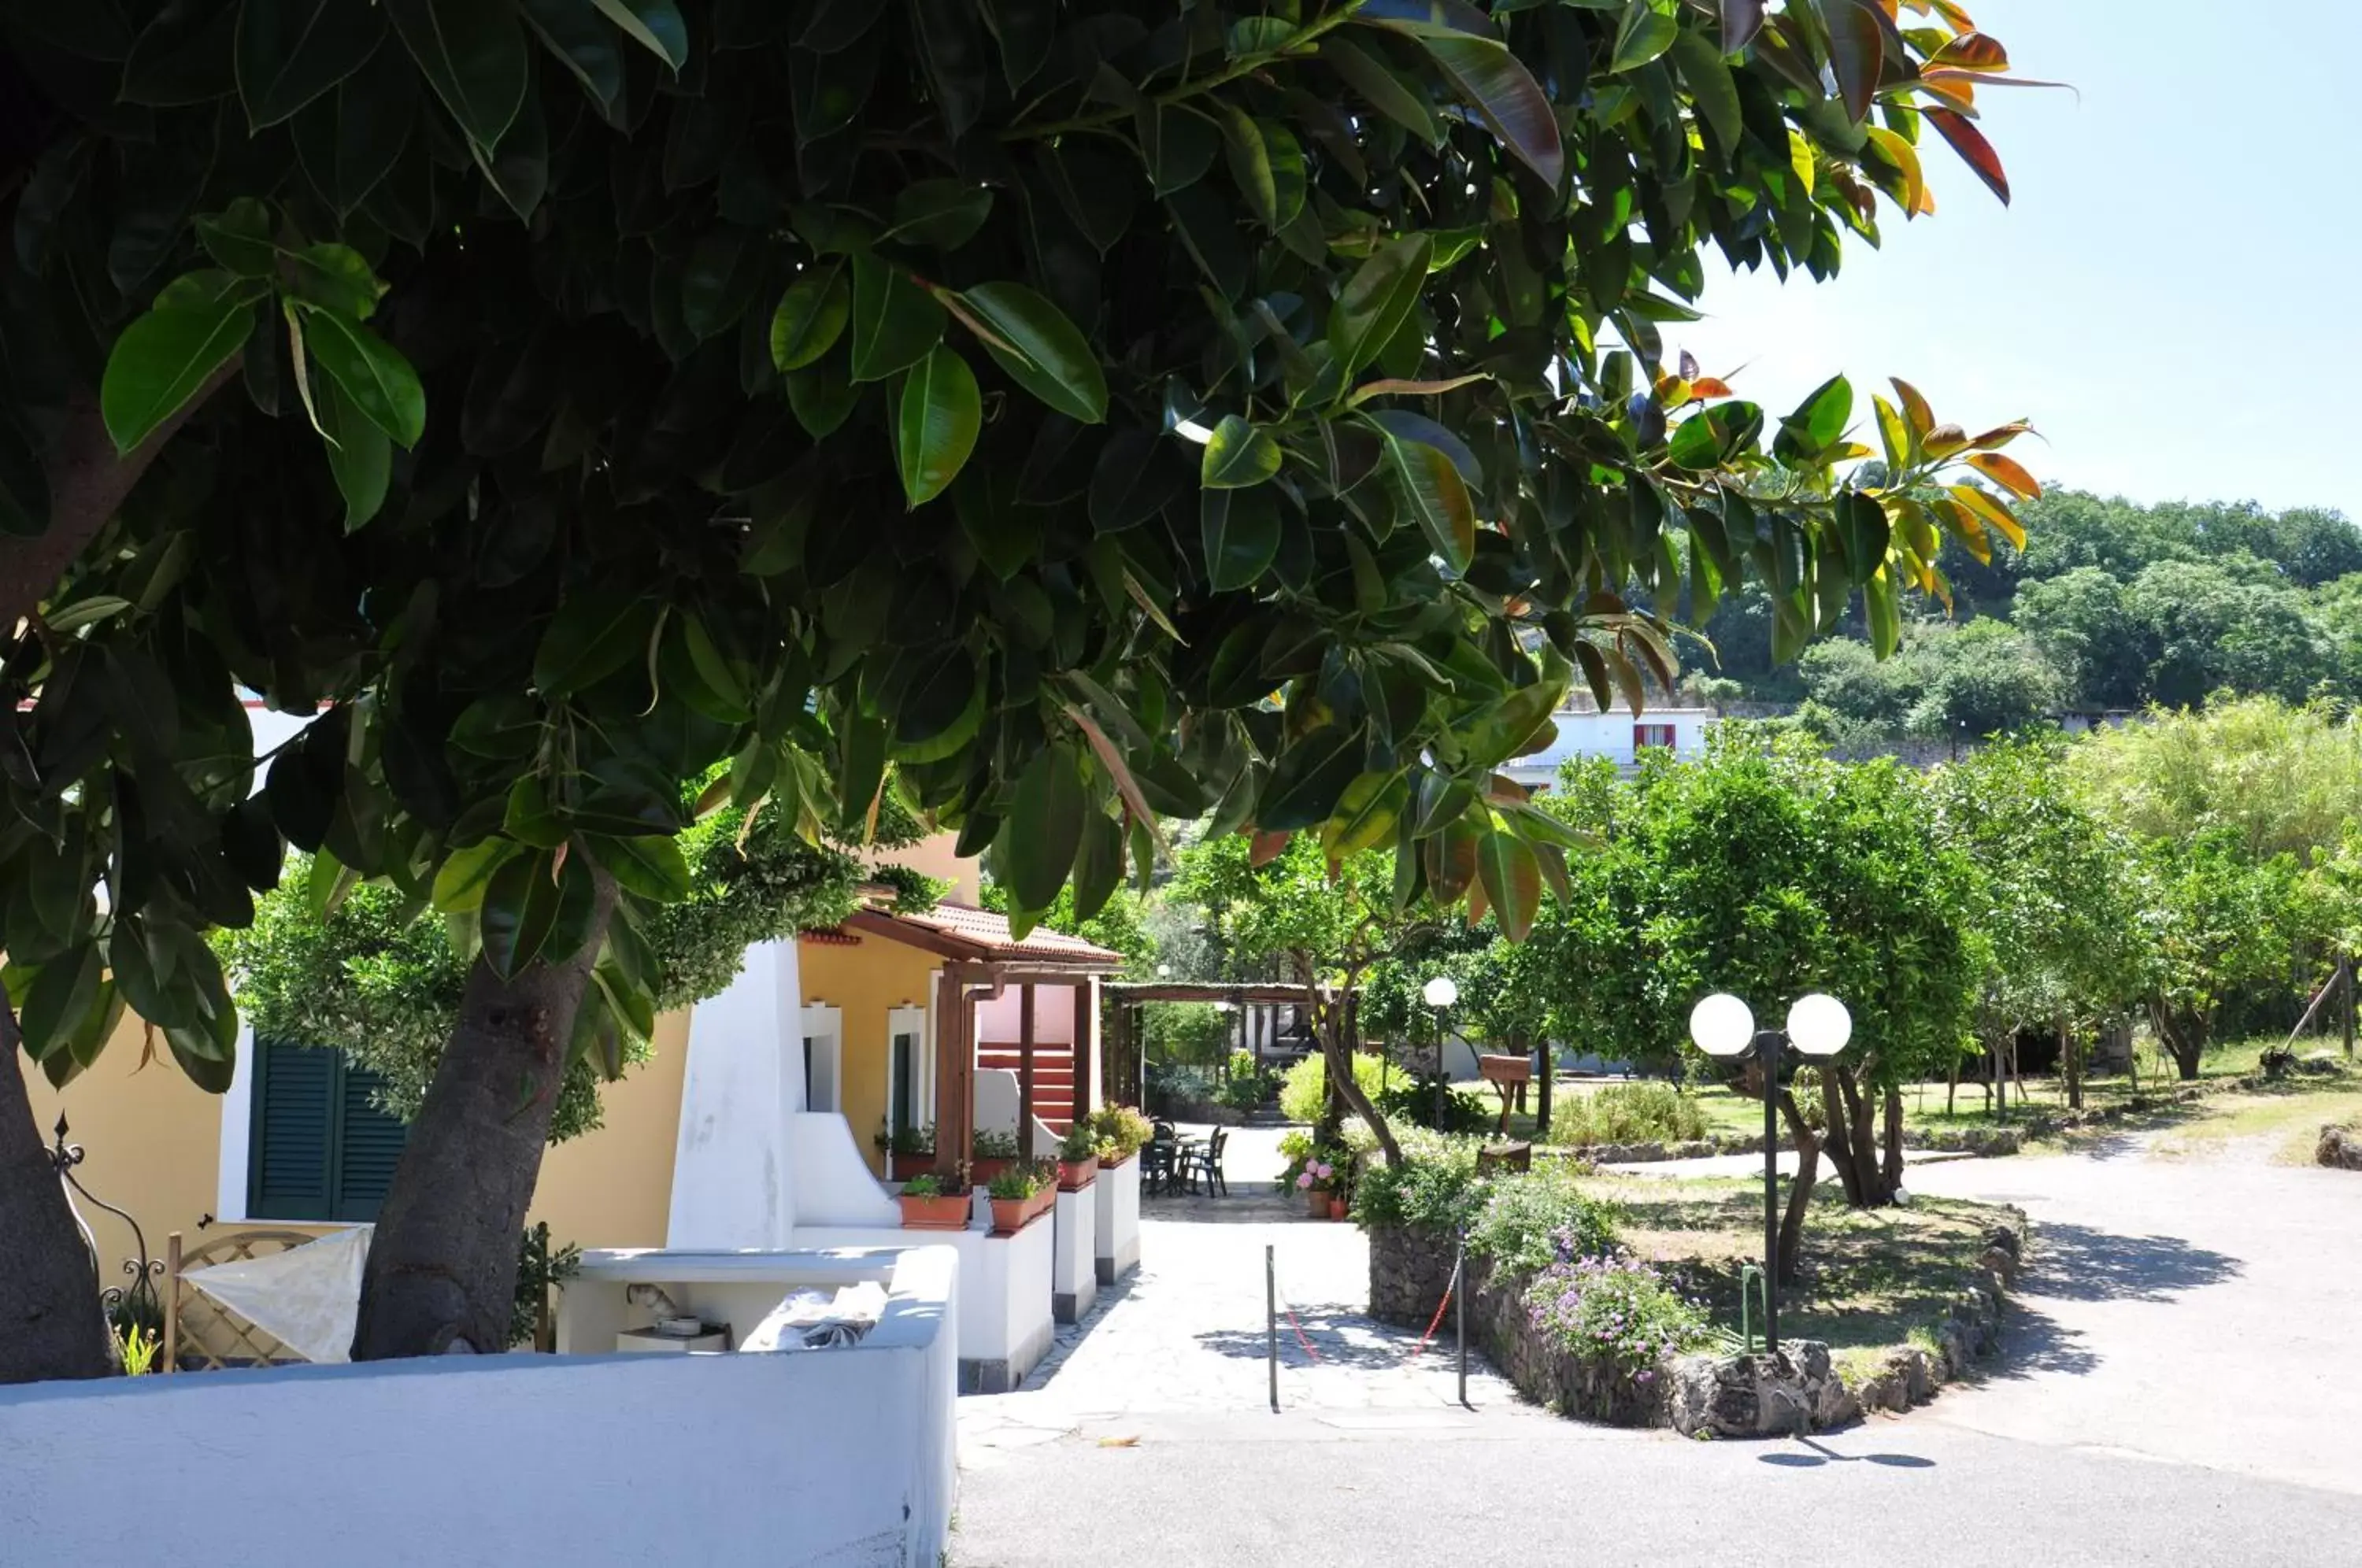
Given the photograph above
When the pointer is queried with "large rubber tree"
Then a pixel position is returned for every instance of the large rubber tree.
(1102, 411)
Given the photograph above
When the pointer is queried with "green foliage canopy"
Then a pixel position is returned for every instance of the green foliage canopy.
(571, 395)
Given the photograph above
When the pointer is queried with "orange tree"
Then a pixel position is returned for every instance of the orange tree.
(1096, 410)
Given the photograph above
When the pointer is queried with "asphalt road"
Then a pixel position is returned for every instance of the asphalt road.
(1309, 1493)
(2175, 1388)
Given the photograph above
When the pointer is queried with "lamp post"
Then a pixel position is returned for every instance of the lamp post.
(1439, 993)
(1818, 1027)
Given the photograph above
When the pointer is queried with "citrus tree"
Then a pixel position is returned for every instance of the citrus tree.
(1097, 412)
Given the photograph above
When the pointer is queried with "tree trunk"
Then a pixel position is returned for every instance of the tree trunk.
(2071, 1061)
(1952, 1088)
(1869, 1187)
(51, 1322)
(2184, 1036)
(1800, 1191)
(88, 480)
(1840, 1147)
(443, 1263)
(1893, 1139)
(1331, 1024)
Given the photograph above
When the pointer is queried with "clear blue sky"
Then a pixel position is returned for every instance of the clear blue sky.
(2162, 296)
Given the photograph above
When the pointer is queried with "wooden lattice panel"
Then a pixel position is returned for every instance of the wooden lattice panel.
(200, 1332)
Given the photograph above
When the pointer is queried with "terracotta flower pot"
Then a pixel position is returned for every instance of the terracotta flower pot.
(902, 1168)
(942, 1213)
(1336, 1206)
(1075, 1175)
(1120, 1161)
(981, 1171)
(1010, 1215)
(1317, 1201)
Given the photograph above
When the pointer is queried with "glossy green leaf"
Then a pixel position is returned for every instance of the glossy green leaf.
(1237, 455)
(1379, 86)
(1374, 303)
(1310, 778)
(460, 882)
(1177, 143)
(62, 993)
(1241, 530)
(654, 25)
(1714, 91)
(1512, 879)
(1366, 814)
(895, 322)
(1438, 498)
(161, 361)
(650, 866)
(945, 214)
(238, 237)
(1099, 864)
(371, 372)
(519, 909)
(290, 51)
(584, 43)
(1043, 829)
(473, 55)
(810, 317)
(942, 411)
(1645, 33)
(820, 397)
(360, 456)
(1489, 79)
(1033, 341)
(1856, 52)
(593, 634)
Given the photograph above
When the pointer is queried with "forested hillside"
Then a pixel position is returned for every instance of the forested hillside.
(2111, 604)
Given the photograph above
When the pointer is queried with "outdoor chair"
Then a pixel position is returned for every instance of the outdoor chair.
(1206, 1160)
(1159, 1168)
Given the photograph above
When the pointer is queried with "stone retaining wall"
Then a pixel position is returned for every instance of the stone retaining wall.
(2340, 1148)
(1743, 1396)
(1985, 1141)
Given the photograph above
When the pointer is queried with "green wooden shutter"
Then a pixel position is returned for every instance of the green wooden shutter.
(319, 1148)
(294, 1131)
(368, 1144)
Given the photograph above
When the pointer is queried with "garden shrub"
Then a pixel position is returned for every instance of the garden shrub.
(1304, 1093)
(1614, 1307)
(1171, 1089)
(1527, 1219)
(1407, 1100)
(1190, 1035)
(1628, 1113)
(1436, 1187)
(1244, 1091)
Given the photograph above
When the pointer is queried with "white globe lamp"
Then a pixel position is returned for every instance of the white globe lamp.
(1722, 1025)
(1818, 1025)
(1440, 991)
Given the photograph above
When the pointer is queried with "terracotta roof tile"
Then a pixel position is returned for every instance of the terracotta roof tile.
(990, 931)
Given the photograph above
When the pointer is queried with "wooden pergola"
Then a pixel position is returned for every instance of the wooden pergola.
(981, 962)
(1126, 1047)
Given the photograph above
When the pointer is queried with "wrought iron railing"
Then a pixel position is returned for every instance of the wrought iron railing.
(129, 1307)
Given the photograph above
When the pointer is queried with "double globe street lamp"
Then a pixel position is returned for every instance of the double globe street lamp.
(1439, 994)
(1818, 1028)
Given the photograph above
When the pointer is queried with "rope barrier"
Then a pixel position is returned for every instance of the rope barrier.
(1440, 1308)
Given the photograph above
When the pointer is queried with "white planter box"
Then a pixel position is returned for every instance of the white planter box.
(1117, 1243)
(1074, 1263)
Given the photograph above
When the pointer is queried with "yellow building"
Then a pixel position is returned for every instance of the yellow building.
(296, 1142)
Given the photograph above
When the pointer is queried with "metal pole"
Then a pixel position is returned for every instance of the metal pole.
(1459, 1311)
(1438, 1069)
(1271, 1323)
(1768, 1045)
(2349, 1007)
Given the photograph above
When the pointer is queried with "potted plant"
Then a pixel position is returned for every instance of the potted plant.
(1078, 1160)
(1119, 1132)
(1020, 1193)
(991, 1152)
(926, 1206)
(909, 1151)
(1325, 1178)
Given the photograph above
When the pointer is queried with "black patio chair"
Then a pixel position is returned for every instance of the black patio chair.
(1159, 1161)
(1206, 1160)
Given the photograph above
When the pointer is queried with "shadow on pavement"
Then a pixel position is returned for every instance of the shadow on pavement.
(2033, 1342)
(2076, 1262)
(1821, 1455)
(1336, 1339)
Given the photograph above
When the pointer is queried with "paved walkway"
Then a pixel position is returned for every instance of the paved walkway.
(2173, 1389)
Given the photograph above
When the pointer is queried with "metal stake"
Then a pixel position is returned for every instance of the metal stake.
(1459, 1311)
(1769, 1049)
(1271, 1322)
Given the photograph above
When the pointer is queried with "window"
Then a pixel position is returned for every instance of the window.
(1647, 735)
(906, 1069)
(823, 1036)
(320, 1150)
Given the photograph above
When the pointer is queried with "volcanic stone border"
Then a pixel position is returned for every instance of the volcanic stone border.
(1985, 1141)
(1743, 1396)
(2340, 1148)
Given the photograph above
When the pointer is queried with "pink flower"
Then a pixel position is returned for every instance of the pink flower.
(1305, 1181)
(1324, 1172)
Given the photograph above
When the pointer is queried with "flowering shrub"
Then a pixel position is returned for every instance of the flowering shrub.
(1616, 1309)
(1533, 1221)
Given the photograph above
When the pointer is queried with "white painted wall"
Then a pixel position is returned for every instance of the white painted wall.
(840, 1456)
(999, 1019)
(831, 1182)
(998, 1098)
(1074, 1254)
(733, 1179)
(1115, 1232)
(1610, 734)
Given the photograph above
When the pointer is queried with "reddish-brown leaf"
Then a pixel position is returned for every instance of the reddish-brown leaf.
(1973, 148)
(1915, 408)
(1970, 52)
(1857, 54)
(2007, 473)
(1740, 20)
(1266, 848)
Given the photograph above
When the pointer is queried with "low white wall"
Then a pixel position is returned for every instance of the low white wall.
(998, 1098)
(838, 1456)
(1116, 1228)
(833, 1184)
(731, 1181)
(1074, 1260)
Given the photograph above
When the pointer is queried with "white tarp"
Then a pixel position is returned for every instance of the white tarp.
(308, 1296)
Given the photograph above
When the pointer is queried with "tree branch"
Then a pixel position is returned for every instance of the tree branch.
(88, 480)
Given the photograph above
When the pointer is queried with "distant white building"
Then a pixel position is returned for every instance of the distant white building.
(1617, 734)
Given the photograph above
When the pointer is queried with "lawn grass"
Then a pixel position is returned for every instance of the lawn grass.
(1872, 1278)
(1727, 1113)
(2290, 1122)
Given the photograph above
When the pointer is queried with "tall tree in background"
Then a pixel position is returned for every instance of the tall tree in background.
(1099, 412)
